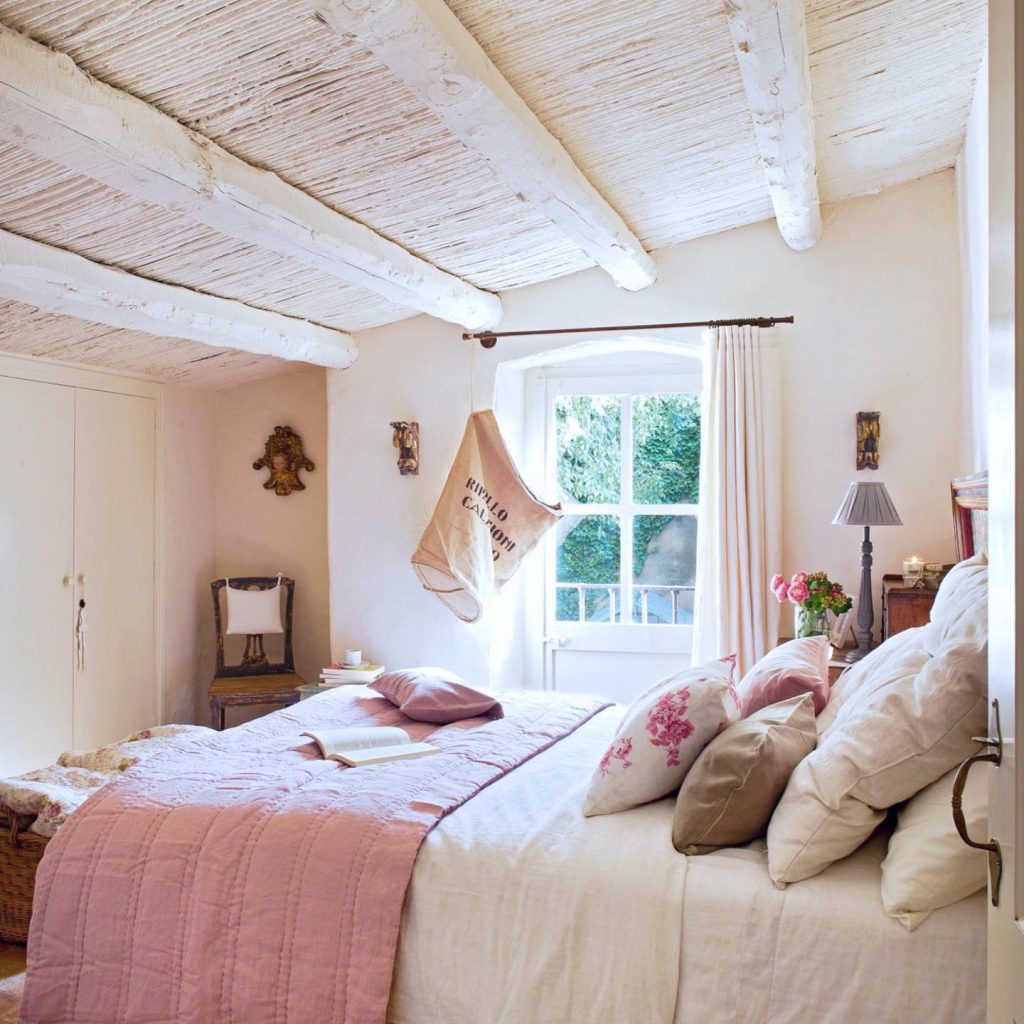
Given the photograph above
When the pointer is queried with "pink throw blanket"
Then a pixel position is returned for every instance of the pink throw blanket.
(240, 878)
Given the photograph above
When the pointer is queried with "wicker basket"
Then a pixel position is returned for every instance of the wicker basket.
(20, 854)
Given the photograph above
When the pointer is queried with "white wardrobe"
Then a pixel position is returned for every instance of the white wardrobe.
(77, 523)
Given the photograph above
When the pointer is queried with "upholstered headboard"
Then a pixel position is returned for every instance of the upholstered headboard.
(970, 514)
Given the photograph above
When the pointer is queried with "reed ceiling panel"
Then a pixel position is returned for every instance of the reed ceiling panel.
(50, 204)
(893, 82)
(28, 331)
(273, 85)
(646, 96)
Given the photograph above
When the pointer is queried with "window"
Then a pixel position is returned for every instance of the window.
(624, 455)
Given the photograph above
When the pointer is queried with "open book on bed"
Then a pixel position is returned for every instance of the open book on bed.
(374, 745)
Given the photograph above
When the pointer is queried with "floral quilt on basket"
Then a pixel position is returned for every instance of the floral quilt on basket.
(48, 795)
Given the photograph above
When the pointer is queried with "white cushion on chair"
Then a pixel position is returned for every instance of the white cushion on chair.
(253, 611)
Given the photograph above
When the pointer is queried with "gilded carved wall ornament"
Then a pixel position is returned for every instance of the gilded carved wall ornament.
(868, 437)
(284, 457)
(406, 439)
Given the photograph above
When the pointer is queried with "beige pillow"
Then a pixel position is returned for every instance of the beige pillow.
(928, 865)
(730, 792)
(897, 732)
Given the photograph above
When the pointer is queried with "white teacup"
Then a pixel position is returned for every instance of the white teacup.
(353, 658)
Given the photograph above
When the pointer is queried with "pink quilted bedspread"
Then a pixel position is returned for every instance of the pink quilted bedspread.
(240, 878)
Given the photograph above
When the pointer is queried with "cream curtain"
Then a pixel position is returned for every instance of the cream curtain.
(739, 548)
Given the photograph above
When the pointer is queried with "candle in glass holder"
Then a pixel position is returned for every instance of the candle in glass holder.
(913, 568)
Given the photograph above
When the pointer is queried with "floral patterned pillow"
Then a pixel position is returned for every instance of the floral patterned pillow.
(661, 734)
(49, 795)
(126, 753)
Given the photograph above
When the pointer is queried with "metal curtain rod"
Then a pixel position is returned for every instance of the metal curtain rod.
(488, 339)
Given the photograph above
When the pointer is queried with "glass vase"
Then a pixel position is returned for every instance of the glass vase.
(811, 623)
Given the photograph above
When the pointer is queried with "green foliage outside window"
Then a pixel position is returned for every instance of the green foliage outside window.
(588, 436)
(666, 449)
(666, 470)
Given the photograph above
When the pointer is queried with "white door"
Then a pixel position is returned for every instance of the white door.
(623, 456)
(37, 423)
(1006, 518)
(115, 515)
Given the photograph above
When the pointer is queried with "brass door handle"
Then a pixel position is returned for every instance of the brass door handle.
(992, 848)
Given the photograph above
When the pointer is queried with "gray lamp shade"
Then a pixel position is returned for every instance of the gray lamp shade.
(867, 504)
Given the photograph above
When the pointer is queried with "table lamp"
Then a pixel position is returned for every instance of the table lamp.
(866, 504)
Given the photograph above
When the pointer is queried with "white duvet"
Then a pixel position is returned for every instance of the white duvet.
(522, 911)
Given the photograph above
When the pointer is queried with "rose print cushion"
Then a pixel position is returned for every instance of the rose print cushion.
(661, 735)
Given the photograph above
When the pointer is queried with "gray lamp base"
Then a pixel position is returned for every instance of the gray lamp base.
(865, 608)
(856, 654)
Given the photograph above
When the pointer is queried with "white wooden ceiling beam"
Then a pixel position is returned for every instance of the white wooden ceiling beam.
(50, 106)
(61, 282)
(770, 40)
(428, 49)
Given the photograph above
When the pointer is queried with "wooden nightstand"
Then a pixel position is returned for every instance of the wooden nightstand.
(837, 663)
(903, 607)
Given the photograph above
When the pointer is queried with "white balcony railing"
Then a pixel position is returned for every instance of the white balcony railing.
(660, 604)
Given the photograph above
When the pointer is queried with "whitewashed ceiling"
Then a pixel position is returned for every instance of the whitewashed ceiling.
(645, 95)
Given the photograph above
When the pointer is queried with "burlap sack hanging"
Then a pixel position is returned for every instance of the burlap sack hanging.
(485, 522)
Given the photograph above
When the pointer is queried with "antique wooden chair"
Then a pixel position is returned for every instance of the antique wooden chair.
(255, 681)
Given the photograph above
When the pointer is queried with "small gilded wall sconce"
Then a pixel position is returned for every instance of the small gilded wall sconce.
(406, 438)
(868, 433)
(283, 457)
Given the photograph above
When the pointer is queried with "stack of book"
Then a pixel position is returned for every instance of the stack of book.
(343, 675)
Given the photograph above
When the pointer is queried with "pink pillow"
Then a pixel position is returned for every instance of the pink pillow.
(793, 668)
(435, 695)
(661, 735)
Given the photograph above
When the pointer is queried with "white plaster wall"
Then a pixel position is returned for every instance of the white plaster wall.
(878, 327)
(260, 533)
(972, 204)
(190, 537)
(218, 520)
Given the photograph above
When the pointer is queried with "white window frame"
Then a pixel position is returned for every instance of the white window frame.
(628, 382)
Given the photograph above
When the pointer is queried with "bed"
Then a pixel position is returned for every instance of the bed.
(268, 890)
(551, 918)
(519, 910)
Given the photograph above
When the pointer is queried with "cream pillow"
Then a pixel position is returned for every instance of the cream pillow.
(928, 865)
(660, 736)
(896, 732)
(728, 796)
(954, 616)
(901, 655)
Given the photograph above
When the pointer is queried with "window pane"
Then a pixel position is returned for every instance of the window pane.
(664, 568)
(588, 428)
(587, 553)
(666, 449)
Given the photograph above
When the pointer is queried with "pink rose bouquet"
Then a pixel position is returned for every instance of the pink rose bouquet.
(813, 592)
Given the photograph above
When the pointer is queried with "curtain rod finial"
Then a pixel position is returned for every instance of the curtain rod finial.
(487, 339)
